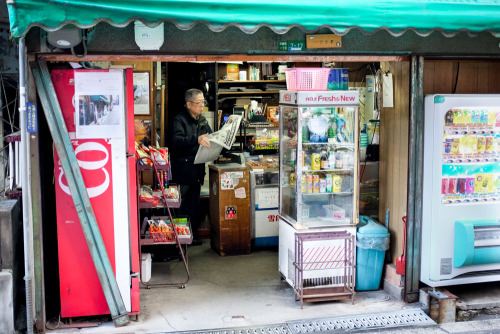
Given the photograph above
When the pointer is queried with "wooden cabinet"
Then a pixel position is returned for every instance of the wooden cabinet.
(229, 209)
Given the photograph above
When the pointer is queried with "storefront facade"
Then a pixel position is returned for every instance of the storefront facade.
(403, 39)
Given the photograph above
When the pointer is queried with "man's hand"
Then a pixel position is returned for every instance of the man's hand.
(203, 141)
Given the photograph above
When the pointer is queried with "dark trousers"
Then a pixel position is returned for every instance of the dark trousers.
(190, 205)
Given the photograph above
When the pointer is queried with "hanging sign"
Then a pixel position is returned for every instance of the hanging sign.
(31, 117)
(323, 41)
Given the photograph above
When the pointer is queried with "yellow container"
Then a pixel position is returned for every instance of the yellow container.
(316, 183)
(315, 161)
(337, 184)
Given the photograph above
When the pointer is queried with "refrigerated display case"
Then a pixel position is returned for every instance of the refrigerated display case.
(461, 190)
(264, 189)
(318, 179)
(97, 106)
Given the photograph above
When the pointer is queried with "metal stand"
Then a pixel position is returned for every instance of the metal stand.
(334, 255)
(163, 203)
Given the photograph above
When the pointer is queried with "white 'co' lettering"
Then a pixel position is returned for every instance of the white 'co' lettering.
(90, 165)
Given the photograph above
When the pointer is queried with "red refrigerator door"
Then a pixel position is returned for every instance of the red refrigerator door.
(100, 164)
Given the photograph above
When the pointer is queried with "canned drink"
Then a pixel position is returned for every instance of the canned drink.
(461, 185)
(303, 184)
(481, 144)
(337, 184)
(488, 148)
(452, 185)
(331, 159)
(444, 186)
(315, 161)
(447, 146)
(322, 185)
(469, 185)
(310, 184)
(315, 183)
(292, 180)
(339, 160)
(329, 183)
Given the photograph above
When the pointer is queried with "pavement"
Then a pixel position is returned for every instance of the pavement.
(226, 294)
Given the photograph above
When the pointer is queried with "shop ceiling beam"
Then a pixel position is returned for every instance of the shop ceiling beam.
(415, 180)
(79, 193)
(233, 57)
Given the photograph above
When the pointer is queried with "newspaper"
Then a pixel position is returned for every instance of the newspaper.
(224, 138)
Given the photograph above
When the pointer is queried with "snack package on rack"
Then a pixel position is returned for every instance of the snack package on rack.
(160, 231)
(158, 156)
(172, 193)
(182, 226)
(146, 195)
(142, 151)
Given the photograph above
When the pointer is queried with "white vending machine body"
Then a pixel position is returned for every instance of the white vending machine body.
(461, 190)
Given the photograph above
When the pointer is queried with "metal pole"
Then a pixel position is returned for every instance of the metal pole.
(27, 222)
(415, 175)
(79, 193)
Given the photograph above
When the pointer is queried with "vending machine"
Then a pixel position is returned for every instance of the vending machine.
(97, 106)
(461, 190)
(318, 183)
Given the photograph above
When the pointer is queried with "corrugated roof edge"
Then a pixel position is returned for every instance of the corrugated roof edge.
(253, 29)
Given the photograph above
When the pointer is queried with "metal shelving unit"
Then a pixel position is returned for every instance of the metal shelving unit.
(338, 279)
(165, 203)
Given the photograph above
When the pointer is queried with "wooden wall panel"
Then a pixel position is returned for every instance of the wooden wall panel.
(393, 178)
(474, 77)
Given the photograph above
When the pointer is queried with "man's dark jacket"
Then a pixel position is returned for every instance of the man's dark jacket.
(183, 148)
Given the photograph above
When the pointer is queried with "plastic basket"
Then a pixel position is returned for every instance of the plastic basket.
(307, 78)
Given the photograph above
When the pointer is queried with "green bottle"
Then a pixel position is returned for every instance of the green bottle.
(305, 132)
(332, 129)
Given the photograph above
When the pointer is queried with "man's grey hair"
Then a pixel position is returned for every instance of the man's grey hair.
(191, 93)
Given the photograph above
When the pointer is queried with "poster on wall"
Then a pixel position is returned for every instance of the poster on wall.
(143, 131)
(99, 104)
(141, 93)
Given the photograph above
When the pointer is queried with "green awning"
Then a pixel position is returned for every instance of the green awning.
(340, 16)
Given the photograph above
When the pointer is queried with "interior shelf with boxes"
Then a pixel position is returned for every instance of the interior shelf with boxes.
(161, 229)
(252, 91)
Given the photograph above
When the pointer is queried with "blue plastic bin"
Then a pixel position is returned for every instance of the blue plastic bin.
(372, 240)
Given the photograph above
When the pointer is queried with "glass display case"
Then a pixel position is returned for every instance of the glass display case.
(319, 158)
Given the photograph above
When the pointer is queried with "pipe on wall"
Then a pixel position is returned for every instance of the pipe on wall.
(25, 170)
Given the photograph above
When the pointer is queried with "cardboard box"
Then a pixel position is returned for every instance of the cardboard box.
(233, 71)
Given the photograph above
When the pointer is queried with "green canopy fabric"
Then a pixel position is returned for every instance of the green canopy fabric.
(340, 16)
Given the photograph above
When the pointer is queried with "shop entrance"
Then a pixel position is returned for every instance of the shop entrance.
(247, 288)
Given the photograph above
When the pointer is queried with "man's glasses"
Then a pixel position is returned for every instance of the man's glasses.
(202, 103)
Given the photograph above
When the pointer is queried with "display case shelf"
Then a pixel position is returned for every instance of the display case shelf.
(340, 193)
(161, 205)
(323, 222)
(336, 144)
(183, 240)
(330, 170)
